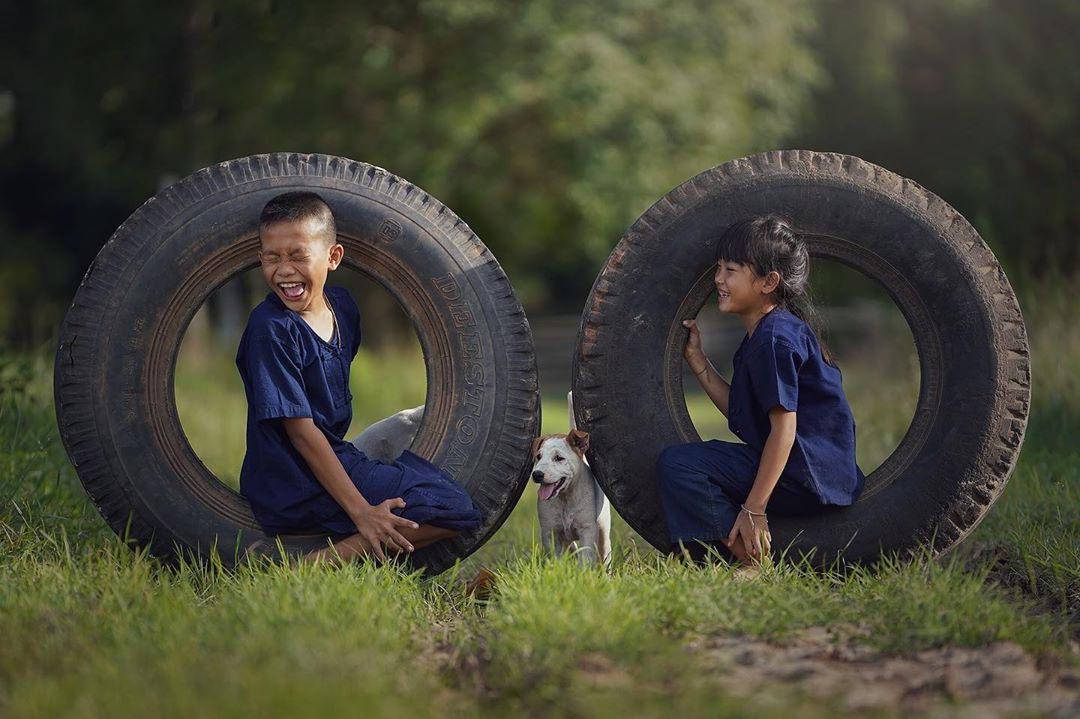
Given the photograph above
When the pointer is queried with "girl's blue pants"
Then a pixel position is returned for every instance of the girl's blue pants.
(703, 484)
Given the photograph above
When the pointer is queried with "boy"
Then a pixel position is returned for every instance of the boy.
(299, 473)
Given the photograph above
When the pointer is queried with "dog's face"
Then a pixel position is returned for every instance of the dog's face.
(557, 460)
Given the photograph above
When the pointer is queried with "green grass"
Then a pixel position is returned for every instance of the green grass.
(90, 628)
(1033, 533)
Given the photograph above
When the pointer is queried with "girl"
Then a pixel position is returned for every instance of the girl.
(785, 401)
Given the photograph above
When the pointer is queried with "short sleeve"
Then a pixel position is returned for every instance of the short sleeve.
(774, 375)
(275, 378)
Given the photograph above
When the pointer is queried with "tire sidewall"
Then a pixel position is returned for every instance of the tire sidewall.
(446, 280)
(926, 257)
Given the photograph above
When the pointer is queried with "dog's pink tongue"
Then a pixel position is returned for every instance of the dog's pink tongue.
(546, 491)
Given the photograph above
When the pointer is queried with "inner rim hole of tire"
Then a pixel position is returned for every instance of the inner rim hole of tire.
(388, 373)
(870, 341)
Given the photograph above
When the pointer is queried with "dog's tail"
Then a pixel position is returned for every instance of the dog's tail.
(570, 409)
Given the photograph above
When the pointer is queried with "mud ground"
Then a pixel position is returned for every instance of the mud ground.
(834, 667)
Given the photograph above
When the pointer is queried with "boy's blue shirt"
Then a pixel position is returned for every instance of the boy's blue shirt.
(781, 365)
(289, 371)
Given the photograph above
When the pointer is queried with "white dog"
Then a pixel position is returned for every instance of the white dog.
(388, 438)
(574, 513)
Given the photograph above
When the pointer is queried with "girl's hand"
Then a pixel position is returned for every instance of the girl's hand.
(377, 526)
(749, 536)
(693, 350)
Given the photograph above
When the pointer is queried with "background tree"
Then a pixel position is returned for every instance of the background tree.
(977, 100)
(548, 125)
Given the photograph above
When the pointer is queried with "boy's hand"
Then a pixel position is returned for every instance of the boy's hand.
(377, 525)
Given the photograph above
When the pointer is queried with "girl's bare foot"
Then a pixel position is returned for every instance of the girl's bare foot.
(746, 572)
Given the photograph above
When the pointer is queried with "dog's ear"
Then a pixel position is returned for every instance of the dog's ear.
(578, 440)
(535, 448)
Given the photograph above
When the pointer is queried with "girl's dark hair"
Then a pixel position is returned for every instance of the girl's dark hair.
(769, 244)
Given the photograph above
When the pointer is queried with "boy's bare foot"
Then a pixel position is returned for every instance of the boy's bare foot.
(355, 547)
(348, 549)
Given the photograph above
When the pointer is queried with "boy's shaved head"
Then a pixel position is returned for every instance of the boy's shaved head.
(299, 206)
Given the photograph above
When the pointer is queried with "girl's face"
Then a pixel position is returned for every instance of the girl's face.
(739, 290)
(296, 259)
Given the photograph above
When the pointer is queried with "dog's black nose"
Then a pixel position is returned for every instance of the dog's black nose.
(538, 476)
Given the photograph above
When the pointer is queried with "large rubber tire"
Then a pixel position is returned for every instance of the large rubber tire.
(974, 394)
(114, 367)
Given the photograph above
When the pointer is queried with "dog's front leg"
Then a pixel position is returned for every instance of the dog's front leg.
(587, 554)
(585, 544)
(547, 539)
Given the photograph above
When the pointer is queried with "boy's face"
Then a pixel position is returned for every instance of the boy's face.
(296, 256)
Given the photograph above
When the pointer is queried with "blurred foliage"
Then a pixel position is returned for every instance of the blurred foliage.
(977, 100)
(16, 373)
(548, 125)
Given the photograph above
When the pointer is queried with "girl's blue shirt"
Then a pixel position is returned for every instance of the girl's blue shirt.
(289, 371)
(781, 365)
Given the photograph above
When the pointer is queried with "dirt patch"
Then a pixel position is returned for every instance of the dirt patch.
(998, 680)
